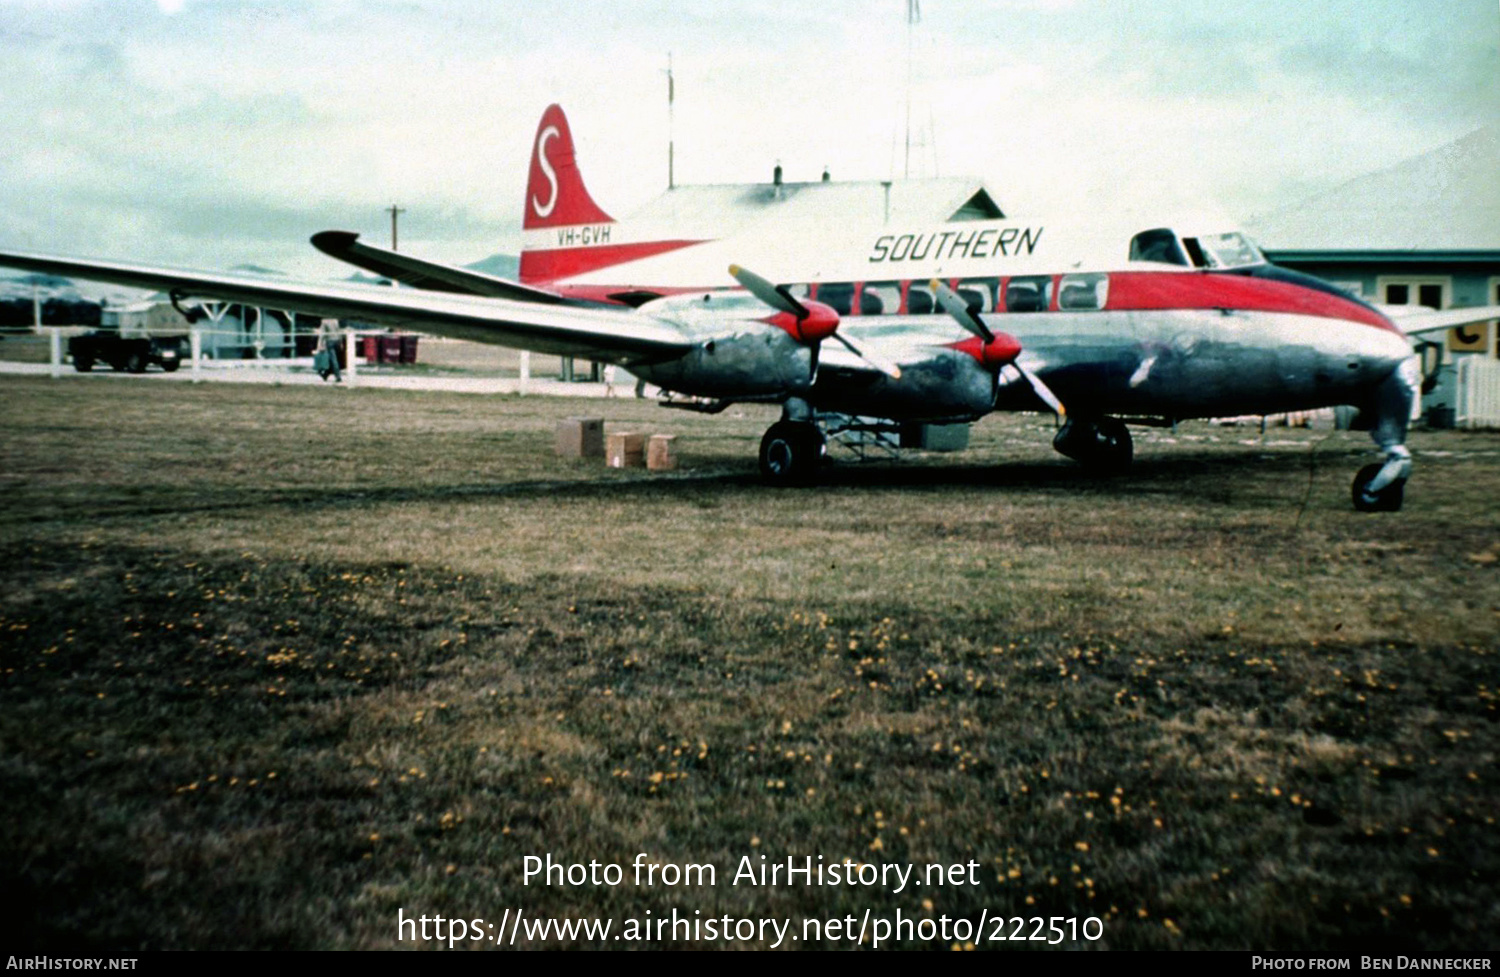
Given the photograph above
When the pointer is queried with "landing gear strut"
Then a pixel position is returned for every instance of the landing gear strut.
(1381, 488)
(1103, 445)
(791, 453)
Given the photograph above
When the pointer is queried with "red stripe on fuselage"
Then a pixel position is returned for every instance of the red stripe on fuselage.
(555, 263)
(1147, 290)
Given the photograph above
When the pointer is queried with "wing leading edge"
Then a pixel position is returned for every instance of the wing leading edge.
(621, 336)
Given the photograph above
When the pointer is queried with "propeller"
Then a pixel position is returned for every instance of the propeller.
(813, 323)
(996, 351)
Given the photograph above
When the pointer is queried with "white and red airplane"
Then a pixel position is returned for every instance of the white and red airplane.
(877, 318)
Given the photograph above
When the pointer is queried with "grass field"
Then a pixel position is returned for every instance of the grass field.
(278, 662)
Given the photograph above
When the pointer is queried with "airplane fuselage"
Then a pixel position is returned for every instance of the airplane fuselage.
(1158, 343)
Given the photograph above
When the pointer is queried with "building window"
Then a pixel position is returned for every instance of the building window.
(1435, 293)
(1495, 323)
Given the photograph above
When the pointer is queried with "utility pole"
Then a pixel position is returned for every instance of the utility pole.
(394, 212)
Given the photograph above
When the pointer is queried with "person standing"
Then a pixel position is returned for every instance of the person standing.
(326, 358)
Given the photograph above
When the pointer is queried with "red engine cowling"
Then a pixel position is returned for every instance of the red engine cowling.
(820, 322)
(995, 353)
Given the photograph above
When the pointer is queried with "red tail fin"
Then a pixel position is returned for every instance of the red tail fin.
(555, 195)
(566, 233)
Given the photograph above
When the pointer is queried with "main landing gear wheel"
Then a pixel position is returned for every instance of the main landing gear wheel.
(1388, 499)
(791, 452)
(1103, 446)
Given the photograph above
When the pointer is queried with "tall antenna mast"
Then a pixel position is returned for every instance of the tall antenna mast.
(671, 123)
(913, 18)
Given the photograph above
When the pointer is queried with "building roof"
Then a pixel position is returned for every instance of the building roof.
(1446, 201)
(718, 211)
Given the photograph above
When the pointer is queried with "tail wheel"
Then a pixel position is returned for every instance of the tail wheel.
(1388, 499)
(791, 452)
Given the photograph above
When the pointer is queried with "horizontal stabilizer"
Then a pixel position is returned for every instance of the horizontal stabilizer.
(429, 275)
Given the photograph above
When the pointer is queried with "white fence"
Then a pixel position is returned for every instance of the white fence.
(1478, 392)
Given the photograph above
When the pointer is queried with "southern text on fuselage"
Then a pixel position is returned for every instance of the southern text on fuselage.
(942, 245)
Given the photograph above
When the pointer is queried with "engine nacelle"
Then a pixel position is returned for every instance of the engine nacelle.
(754, 363)
(948, 383)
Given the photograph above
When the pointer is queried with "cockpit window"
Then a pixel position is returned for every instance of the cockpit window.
(1157, 245)
(1232, 250)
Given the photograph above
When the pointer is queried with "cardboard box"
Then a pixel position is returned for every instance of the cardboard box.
(659, 456)
(625, 450)
(580, 437)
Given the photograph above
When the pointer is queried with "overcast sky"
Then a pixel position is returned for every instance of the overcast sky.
(209, 133)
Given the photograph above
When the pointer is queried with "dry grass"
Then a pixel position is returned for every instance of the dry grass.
(1207, 693)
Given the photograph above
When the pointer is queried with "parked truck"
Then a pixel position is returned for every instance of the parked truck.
(131, 354)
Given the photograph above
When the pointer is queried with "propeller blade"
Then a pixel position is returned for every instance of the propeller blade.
(776, 296)
(878, 362)
(955, 306)
(1041, 389)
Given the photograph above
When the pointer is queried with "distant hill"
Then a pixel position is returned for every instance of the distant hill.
(14, 282)
(499, 265)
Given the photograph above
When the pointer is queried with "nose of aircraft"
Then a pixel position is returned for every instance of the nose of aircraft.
(1383, 350)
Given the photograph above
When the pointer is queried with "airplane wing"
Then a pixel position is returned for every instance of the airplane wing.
(622, 336)
(1416, 320)
(430, 275)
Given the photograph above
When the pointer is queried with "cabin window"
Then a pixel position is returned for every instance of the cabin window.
(1083, 292)
(880, 298)
(1029, 294)
(838, 296)
(978, 293)
(919, 300)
